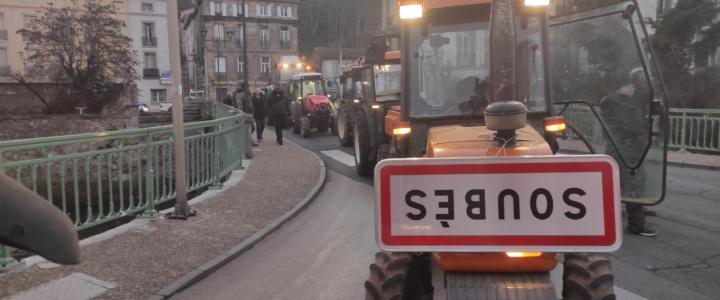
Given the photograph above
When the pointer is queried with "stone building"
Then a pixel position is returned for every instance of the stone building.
(214, 47)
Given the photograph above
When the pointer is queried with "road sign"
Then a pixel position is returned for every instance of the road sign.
(553, 203)
(165, 75)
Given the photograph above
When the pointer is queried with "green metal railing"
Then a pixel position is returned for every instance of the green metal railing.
(689, 129)
(99, 177)
(694, 129)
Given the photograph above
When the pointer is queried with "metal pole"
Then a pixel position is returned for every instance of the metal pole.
(245, 60)
(217, 66)
(182, 209)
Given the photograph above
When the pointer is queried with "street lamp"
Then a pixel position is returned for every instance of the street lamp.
(218, 41)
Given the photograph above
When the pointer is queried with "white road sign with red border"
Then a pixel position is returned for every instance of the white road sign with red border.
(544, 203)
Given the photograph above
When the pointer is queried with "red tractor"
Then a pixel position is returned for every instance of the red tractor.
(310, 105)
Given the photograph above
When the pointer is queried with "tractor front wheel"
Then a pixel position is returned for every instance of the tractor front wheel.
(588, 276)
(344, 126)
(399, 275)
(364, 164)
(305, 127)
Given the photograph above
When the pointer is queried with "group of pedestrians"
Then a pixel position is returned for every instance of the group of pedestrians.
(275, 105)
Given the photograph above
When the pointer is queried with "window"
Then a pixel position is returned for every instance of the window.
(150, 61)
(284, 11)
(3, 31)
(263, 10)
(218, 9)
(240, 68)
(219, 34)
(238, 9)
(26, 60)
(285, 37)
(4, 66)
(265, 65)
(117, 5)
(27, 20)
(147, 7)
(220, 64)
(149, 38)
(158, 96)
(264, 36)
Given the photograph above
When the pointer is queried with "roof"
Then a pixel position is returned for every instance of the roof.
(333, 53)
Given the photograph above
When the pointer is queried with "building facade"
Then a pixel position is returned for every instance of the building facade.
(217, 43)
(148, 29)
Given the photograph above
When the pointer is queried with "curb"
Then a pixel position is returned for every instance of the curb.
(206, 269)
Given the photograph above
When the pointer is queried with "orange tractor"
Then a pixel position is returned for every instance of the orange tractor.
(471, 202)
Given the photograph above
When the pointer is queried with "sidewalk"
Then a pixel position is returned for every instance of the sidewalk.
(153, 259)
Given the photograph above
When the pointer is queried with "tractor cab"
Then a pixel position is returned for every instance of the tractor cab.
(310, 105)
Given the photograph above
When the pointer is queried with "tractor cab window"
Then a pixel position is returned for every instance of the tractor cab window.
(387, 81)
(606, 85)
(450, 64)
(312, 87)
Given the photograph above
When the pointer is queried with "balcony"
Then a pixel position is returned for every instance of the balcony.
(149, 41)
(285, 44)
(3, 35)
(4, 70)
(151, 73)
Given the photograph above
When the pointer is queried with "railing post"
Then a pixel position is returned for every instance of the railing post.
(7, 262)
(682, 133)
(149, 181)
(217, 139)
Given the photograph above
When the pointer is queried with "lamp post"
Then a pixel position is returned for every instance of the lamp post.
(217, 40)
(245, 62)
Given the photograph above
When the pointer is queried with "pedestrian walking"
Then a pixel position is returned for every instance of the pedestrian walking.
(260, 104)
(279, 108)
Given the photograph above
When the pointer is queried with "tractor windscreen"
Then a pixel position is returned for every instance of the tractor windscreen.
(312, 87)
(450, 64)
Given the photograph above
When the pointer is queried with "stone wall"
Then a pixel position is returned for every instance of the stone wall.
(23, 119)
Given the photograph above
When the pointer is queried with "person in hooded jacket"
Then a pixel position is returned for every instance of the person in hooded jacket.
(278, 107)
(259, 102)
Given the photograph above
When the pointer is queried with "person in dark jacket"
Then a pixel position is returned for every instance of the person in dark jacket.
(623, 114)
(260, 105)
(278, 107)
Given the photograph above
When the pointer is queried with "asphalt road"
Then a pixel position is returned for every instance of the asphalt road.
(324, 252)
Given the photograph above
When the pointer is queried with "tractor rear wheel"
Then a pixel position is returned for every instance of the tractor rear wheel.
(305, 127)
(399, 275)
(588, 276)
(364, 164)
(344, 126)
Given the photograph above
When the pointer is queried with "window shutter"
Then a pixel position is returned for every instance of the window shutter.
(212, 8)
(257, 10)
(269, 11)
(235, 9)
(278, 11)
(289, 11)
(224, 8)
(246, 10)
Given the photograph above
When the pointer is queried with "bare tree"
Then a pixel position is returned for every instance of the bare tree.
(82, 53)
(347, 22)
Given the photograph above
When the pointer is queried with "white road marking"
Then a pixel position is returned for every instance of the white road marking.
(341, 157)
